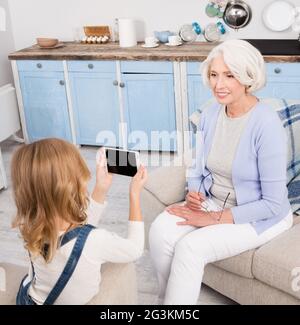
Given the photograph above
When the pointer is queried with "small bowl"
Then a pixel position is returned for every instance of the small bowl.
(47, 42)
(163, 35)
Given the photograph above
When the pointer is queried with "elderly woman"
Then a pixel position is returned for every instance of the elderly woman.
(238, 200)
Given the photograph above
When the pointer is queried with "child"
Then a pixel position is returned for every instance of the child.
(58, 223)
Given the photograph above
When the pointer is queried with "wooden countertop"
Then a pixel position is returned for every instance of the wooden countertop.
(197, 51)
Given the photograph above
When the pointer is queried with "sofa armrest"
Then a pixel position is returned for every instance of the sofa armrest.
(167, 184)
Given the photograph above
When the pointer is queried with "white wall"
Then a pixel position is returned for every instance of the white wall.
(57, 18)
(6, 47)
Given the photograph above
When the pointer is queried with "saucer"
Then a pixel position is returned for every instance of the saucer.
(51, 47)
(155, 45)
(177, 44)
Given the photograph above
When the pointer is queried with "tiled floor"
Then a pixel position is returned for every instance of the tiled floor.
(11, 248)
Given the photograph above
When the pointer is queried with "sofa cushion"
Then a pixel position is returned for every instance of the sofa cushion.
(11, 276)
(240, 264)
(167, 184)
(277, 263)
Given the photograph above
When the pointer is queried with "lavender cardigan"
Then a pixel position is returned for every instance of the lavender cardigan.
(258, 170)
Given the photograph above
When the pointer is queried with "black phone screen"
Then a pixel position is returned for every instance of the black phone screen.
(121, 162)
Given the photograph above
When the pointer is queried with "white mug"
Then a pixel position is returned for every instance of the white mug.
(174, 40)
(150, 41)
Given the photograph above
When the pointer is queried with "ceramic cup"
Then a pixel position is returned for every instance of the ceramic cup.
(150, 41)
(174, 40)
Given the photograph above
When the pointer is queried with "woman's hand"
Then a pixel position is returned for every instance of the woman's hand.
(103, 178)
(200, 218)
(138, 181)
(192, 218)
(194, 200)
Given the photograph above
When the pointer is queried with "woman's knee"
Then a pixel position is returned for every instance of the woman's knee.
(191, 251)
(157, 230)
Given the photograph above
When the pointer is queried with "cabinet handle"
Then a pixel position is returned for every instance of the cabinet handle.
(122, 84)
(277, 70)
(90, 66)
(115, 83)
(61, 82)
(39, 65)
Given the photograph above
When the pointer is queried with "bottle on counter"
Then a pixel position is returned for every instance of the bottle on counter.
(116, 30)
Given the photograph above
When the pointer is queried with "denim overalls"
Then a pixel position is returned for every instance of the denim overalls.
(81, 233)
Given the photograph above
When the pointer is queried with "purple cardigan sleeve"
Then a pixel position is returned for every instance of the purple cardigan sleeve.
(271, 146)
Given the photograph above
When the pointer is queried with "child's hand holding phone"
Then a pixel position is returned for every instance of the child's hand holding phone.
(103, 177)
(138, 181)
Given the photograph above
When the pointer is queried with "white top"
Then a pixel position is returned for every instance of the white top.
(101, 246)
(220, 158)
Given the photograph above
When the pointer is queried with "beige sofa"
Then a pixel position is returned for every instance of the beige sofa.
(258, 276)
(118, 285)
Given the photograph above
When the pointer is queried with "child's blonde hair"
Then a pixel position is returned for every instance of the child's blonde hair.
(49, 181)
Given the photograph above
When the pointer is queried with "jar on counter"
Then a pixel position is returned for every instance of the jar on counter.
(213, 32)
(190, 32)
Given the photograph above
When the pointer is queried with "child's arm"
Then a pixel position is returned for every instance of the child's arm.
(103, 182)
(104, 246)
(95, 211)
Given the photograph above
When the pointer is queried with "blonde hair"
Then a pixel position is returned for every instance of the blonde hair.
(49, 182)
(244, 61)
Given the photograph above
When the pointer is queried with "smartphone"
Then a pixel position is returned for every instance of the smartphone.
(122, 162)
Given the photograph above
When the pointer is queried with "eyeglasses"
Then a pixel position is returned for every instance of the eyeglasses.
(202, 180)
(224, 203)
(223, 207)
(199, 189)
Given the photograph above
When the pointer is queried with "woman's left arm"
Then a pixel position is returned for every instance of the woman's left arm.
(271, 148)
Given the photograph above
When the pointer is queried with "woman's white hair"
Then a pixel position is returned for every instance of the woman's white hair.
(244, 61)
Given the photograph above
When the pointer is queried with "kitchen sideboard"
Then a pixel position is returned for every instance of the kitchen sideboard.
(106, 95)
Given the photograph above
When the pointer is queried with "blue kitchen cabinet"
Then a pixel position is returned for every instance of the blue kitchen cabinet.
(149, 105)
(95, 102)
(283, 81)
(44, 99)
(198, 94)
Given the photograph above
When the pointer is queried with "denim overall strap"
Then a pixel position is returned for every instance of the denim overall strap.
(70, 266)
(70, 235)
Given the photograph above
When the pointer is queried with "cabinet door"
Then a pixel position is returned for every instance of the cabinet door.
(283, 81)
(45, 105)
(198, 94)
(149, 109)
(96, 108)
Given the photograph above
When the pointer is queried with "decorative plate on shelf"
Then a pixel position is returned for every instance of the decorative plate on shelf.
(279, 15)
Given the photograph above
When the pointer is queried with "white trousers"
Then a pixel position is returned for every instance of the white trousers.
(180, 253)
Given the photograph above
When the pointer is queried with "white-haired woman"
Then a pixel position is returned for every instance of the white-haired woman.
(238, 200)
